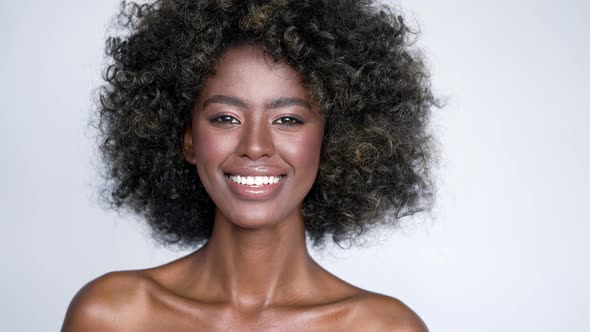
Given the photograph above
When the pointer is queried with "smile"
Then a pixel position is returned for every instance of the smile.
(254, 181)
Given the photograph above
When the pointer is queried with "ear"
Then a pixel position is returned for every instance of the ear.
(188, 148)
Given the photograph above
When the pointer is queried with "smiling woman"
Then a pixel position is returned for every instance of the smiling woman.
(245, 126)
(253, 120)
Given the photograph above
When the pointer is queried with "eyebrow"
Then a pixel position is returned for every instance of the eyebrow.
(277, 103)
(219, 99)
(288, 101)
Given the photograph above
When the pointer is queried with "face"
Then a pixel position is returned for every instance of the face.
(255, 139)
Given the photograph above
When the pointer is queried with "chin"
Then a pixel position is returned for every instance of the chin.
(255, 218)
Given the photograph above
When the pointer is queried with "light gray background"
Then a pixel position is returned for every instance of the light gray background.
(507, 250)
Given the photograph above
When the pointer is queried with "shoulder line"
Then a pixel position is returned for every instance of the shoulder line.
(385, 313)
(101, 303)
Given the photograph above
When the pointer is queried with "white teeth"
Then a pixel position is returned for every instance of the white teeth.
(255, 180)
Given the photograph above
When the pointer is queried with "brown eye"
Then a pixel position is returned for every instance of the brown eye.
(288, 121)
(224, 119)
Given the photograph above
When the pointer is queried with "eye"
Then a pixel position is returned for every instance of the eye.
(224, 119)
(288, 121)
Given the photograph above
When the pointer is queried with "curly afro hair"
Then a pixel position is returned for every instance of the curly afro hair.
(355, 57)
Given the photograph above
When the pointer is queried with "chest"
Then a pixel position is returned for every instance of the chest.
(210, 319)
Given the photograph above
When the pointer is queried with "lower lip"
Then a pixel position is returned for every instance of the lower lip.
(254, 192)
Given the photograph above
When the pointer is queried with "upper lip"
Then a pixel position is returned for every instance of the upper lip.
(262, 170)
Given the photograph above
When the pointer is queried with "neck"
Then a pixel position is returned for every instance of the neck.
(254, 268)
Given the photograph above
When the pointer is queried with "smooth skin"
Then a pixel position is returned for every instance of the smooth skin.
(254, 274)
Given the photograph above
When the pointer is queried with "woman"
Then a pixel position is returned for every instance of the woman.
(246, 125)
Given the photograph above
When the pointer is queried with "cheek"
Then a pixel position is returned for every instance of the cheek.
(210, 149)
(304, 151)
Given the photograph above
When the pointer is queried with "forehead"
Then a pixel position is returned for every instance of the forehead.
(244, 71)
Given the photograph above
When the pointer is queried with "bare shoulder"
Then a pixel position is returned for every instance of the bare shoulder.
(384, 313)
(106, 303)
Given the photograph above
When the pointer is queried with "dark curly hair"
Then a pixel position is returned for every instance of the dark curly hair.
(356, 59)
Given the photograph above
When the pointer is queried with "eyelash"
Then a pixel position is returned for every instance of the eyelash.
(226, 119)
(220, 119)
(293, 121)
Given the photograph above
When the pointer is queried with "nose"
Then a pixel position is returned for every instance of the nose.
(256, 141)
